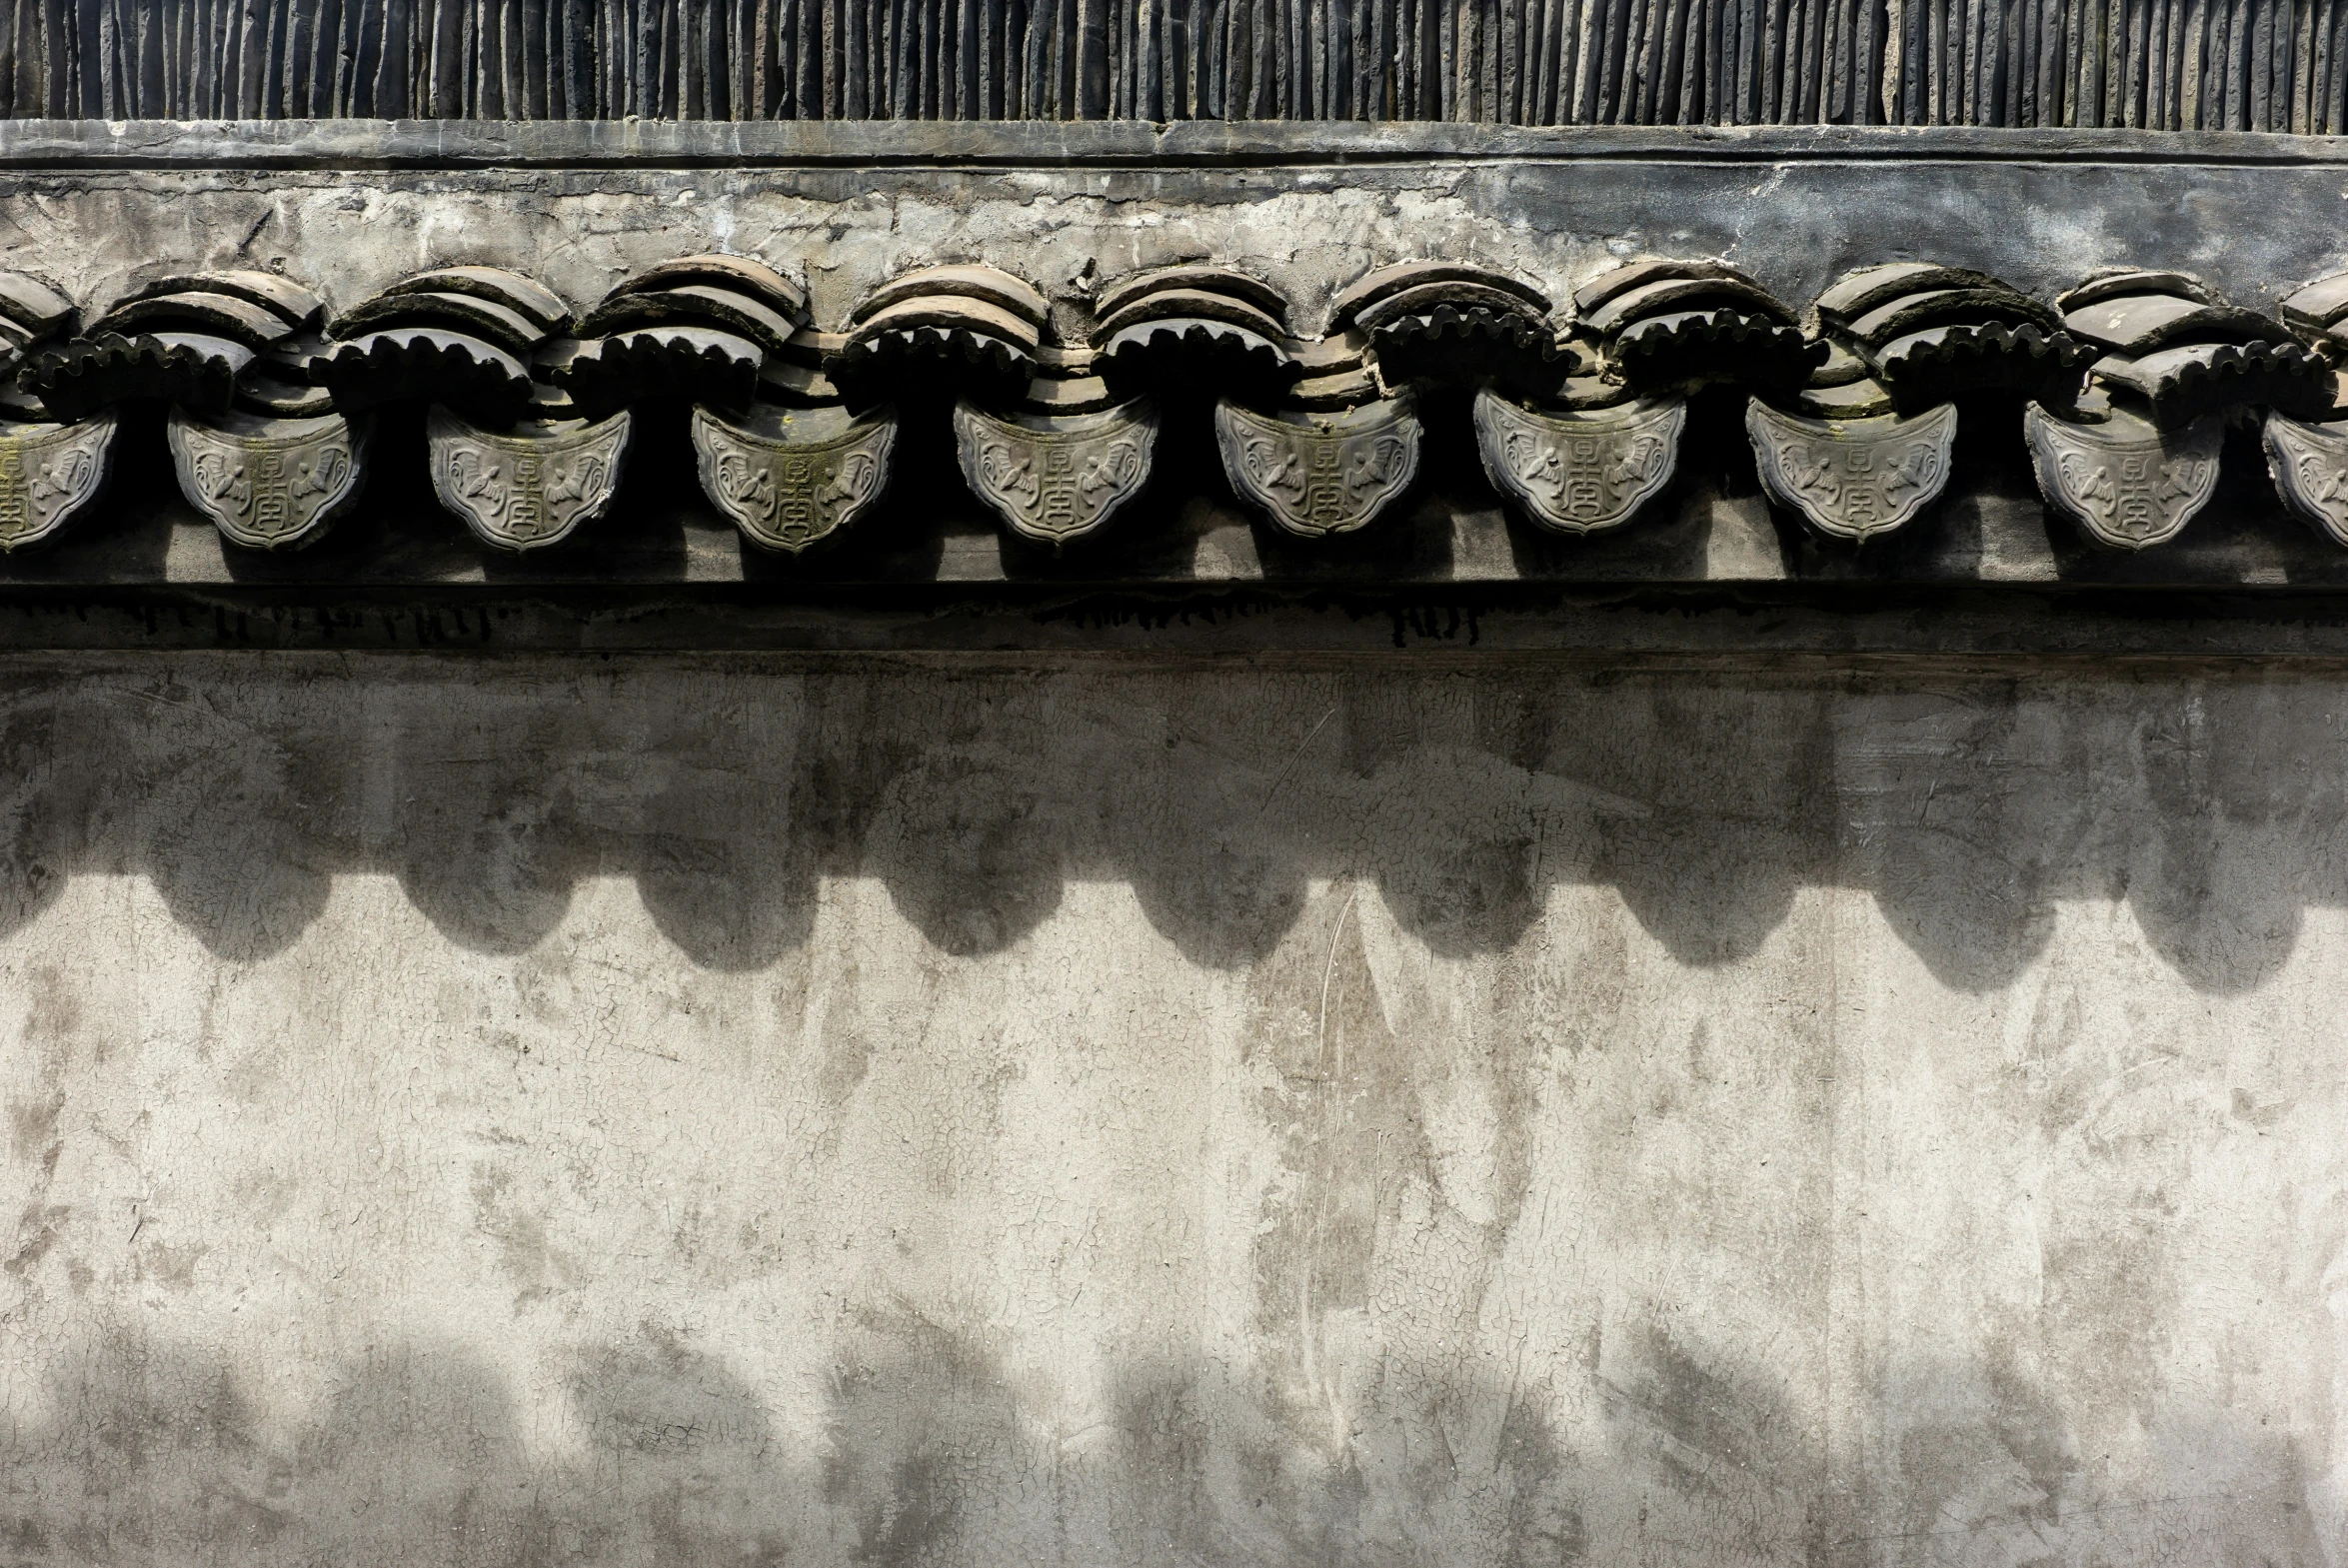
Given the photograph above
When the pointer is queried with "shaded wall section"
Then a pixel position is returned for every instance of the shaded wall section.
(727, 1111)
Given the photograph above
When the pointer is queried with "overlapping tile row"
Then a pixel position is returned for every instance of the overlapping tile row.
(2256, 65)
(1578, 401)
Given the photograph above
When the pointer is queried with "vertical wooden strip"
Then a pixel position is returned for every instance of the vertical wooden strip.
(937, 99)
(1173, 53)
(1882, 101)
(1638, 43)
(2334, 69)
(489, 59)
(2260, 43)
(513, 41)
(2046, 58)
(2271, 80)
(147, 77)
(636, 43)
(1810, 83)
(1688, 107)
(1998, 89)
(1825, 66)
(1094, 102)
(2192, 63)
(1810, 94)
(17, 46)
(57, 85)
(1644, 66)
(2207, 99)
(2185, 86)
(2126, 87)
(118, 27)
(277, 74)
(2302, 52)
(1317, 56)
(156, 22)
(1834, 72)
(533, 61)
(2302, 65)
(1972, 44)
(1141, 70)
(1209, 33)
(2072, 21)
(554, 43)
(2090, 64)
(1495, 46)
(250, 47)
(1805, 52)
(1416, 52)
(1297, 82)
(2030, 19)
(2335, 94)
(2176, 45)
(1746, 81)
(1581, 97)
(2006, 91)
(1948, 61)
(107, 76)
(2319, 47)
(2238, 95)
(821, 62)
(2213, 65)
(714, 57)
(2021, 61)
(1011, 53)
(842, 78)
(1615, 42)
(1719, 34)
(1659, 69)
(2274, 53)
(1532, 56)
(2113, 107)
(614, 50)
(162, 94)
(2051, 16)
(1039, 18)
(799, 26)
(446, 33)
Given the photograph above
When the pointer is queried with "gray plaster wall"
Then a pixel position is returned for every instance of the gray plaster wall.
(724, 1110)
(348, 207)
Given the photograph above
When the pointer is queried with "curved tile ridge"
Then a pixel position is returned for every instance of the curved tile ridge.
(1578, 398)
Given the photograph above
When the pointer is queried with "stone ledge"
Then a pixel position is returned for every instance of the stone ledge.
(559, 144)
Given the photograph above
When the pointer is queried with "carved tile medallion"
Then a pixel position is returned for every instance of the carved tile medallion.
(531, 486)
(790, 477)
(2310, 467)
(1580, 473)
(50, 471)
(1321, 474)
(269, 483)
(1852, 479)
(2128, 484)
(1054, 478)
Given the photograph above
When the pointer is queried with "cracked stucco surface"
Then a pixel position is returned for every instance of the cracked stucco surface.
(2256, 229)
(713, 1111)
